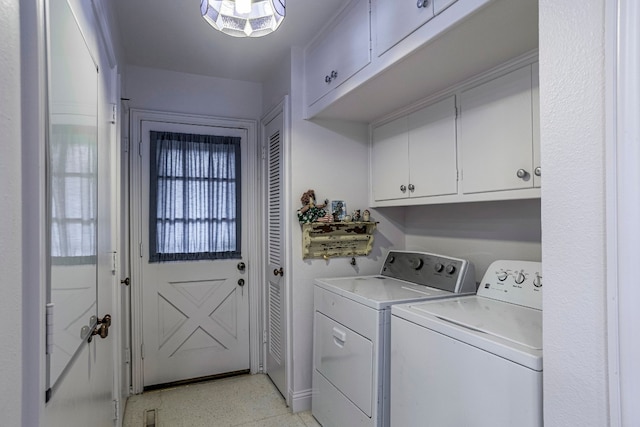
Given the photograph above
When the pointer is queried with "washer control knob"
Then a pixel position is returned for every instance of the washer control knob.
(438, 267)
(416, 263)
(537, 281)
(502, 276)
(520, 277)
(451, 269)
(392, 259)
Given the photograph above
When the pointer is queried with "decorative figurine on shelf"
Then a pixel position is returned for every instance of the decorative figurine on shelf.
(310, 212)
(366, 216)
(355, 216)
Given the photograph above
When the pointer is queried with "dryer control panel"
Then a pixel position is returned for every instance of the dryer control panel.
(516, 282)
(437, 271)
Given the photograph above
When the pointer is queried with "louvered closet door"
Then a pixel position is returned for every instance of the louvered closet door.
(276, 357)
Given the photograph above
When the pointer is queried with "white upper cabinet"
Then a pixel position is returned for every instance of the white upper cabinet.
(390, 160)
(440, 5)
(343, 50)
(415, 156)
(495, 134)
(488, 148)
(535, 102)
(396, 19)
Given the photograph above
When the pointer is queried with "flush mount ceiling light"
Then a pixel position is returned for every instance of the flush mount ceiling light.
(244, 18)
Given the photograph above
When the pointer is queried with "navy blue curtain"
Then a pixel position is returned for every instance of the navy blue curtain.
(194, 206)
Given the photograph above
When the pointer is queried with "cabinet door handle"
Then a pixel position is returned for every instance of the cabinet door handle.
(422, 3)
(403, 188)
(537, 171)
(327, 79)
(334, 74)
(412, 187)
(522, 174)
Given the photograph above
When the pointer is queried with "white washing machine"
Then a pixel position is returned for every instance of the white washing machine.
(474, 360)
(351, 332)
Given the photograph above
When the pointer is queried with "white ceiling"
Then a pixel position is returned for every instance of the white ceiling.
(172, 35)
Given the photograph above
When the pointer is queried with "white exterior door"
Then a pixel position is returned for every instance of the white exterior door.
(195, 320)
(275, 291)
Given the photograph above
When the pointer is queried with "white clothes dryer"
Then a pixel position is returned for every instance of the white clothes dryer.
(351, 332)
(473, 360)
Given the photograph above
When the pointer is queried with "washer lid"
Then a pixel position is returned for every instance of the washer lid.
(380, 292)
(507, 330)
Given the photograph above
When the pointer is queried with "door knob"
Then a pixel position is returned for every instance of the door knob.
(278, 272)
(102, 328)
(240, 282)
(241, 266)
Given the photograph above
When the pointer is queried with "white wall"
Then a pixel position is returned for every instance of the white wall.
(11, 224)
(480, 232)
(331, 158)
(277, 84)
(572, 104)
(171, 91)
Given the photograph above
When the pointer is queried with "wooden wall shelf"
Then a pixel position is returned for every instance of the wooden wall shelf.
(337, 239)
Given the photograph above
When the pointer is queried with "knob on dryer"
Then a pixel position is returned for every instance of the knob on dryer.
(416, 263)
(451, 269)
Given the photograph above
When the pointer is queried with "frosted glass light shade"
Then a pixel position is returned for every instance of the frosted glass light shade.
(264, 18)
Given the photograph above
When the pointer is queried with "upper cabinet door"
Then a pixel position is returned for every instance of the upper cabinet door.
(432, 150)
(389, 161)
(535, 103)
(343, 50)
(396, 19)
(440, 5)
(496, 135)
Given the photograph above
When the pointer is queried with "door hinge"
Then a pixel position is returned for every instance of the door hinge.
(127, 356)
(264, 152)
(140, 249)
(49, 328)
(125, 145)
(140, 148)
(114, 113)
(142, 351)
(116, 409)
(457, 111)
(114, 262)
(264, 336)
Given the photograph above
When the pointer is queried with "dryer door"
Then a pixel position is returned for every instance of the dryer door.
(345, 359)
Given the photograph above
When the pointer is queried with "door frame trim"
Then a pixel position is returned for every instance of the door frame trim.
(282, 107)
(253, 252)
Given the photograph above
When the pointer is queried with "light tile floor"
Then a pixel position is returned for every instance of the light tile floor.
(246, 400)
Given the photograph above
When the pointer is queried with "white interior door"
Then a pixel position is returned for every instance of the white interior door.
(275, 292)
(195, 320)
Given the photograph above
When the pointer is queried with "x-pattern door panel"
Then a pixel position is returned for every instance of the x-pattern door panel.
(195, 320)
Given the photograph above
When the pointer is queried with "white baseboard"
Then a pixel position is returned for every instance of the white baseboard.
(300, 401)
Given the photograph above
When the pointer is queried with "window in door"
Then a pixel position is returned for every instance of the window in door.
(194, 206)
